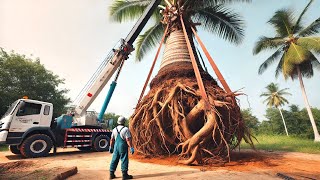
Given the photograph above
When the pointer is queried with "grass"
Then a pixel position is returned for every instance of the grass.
(284, 143)
(3, 148)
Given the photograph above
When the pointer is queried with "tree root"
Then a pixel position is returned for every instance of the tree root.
(172, 118)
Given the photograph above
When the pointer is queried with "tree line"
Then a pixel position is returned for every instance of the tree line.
(297, 122)
(24, 76)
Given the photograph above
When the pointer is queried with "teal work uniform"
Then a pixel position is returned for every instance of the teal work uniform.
(120, 152)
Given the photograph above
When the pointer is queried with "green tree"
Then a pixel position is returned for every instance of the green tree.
(251, 121)
(275, 120)
(296, 50)
(173, 113)
(265, 127)
(304, 122)
(112, 118)
(23, 76)
(299, 122)
(108, 117)
(275, 98)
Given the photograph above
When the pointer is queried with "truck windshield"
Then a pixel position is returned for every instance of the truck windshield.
(11, 108)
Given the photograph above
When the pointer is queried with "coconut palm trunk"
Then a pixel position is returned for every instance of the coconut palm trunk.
(284, 122)
(304, 94)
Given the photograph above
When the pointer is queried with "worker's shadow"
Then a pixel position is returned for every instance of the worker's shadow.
(178, 173)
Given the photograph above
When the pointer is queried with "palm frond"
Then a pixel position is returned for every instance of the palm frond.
(282, 92)
(312, 29)
(275, 96)
(297, 54)
(211, 3)
(272, 88)
(297, 26)
(288, 67)
(221, 21)
(282, 101)
(270, 60)
(279, 66)
(306, 68)
(315, 63)
(149, 40)
(268, 100)
(282, 21)
(267, 43)
(122, 10)
(265, 94)
(310, 43)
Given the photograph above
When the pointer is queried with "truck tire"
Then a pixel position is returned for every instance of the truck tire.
(14, 149)
(37, 145)
(101, 143)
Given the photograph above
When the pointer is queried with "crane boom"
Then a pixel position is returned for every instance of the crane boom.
(119, 55)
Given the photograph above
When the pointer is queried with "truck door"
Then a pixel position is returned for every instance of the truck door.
(26, 118)
(46, 115)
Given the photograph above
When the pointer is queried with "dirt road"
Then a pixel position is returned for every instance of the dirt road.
(93, 165)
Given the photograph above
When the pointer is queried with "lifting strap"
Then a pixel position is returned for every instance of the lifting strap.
(213, 64)
(154, 62)
(194, 64)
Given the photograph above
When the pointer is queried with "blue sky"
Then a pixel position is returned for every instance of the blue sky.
(72, 37)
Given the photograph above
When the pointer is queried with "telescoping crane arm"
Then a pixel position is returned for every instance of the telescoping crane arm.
(113, 62)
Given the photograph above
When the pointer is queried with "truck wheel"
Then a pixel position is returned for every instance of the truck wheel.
(37, 145)
(101, 143)
(14, 149)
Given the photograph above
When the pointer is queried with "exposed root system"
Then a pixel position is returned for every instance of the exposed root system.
(173, 119)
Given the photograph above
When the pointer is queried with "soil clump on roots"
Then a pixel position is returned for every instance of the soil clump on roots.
(173, 119)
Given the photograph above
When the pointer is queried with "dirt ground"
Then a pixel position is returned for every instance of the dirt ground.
(93, 165)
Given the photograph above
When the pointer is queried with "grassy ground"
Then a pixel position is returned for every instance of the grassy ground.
(3, 148)
(284, 143)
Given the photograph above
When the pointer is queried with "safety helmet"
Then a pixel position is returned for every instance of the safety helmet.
(121, 120)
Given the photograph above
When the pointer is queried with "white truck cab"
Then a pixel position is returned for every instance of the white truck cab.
(28, 128)
(21, 116)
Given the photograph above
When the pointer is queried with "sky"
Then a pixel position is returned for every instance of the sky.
(72, 37)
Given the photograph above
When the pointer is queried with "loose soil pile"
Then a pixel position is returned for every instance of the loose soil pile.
(26, 170)
(294, 165)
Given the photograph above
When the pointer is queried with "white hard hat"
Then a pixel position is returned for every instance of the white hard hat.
(121, 120)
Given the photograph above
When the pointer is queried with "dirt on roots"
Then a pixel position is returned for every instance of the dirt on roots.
(173, 118)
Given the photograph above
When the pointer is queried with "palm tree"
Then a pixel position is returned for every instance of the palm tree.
(296, 50)
(173, 113)
(275, 99)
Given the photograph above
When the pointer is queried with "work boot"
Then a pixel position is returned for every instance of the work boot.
(112, 175)
(125, 175)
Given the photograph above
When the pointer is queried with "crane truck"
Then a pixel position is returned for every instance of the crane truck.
(28, 126)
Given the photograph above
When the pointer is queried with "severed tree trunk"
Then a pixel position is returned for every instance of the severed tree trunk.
(172, 118)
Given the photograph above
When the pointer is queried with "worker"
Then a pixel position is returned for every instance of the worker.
(120, 140)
